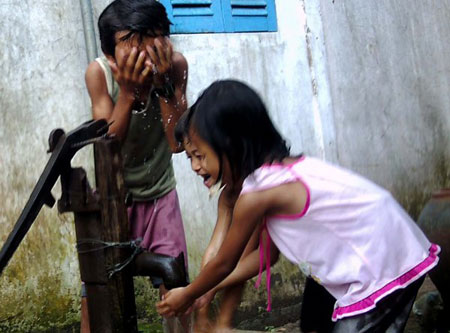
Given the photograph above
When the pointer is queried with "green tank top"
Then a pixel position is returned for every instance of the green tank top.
(147, 158)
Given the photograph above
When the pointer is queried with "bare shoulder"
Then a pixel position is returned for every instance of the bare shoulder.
(285, 199)
(254, 203)
(95, 78)
(179, 60)
(180, 66)
(94, 70)
(228, 198)
(179, 71)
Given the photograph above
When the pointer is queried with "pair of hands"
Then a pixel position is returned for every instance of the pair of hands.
(177, 302)
(133, 68)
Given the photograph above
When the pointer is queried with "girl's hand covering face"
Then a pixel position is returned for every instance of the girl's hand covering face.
(175, 303)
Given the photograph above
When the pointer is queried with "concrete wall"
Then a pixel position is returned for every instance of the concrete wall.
(388, 68)
(42, 59)
(364, 84)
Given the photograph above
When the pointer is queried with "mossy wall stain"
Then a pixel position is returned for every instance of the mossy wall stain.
(40, 285)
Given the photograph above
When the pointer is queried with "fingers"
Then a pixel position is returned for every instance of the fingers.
(168, 49)
(114, 67)
(164, 309)
(141, 70)
(139, 63)
(160, 50)
(131, 60)
(121, 57)
(153, 56)
(188, 311)
(144, 74)
(161, 55)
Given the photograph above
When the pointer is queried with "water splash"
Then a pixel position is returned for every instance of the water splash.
(135, 112)
(178, 325)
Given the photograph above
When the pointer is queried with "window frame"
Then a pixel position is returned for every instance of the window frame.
(221, 16)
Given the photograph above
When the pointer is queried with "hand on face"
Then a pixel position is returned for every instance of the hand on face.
(135, 66)
(160, 59)
(129, 68)
(175, 303)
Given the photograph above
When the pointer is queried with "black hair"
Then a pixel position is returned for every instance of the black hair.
(233, 120)
(181, 130)
(142, 17)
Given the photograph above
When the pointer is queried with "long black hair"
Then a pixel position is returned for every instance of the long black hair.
(233, 120)
(142, 17)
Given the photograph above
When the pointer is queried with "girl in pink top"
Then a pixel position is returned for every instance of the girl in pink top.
(342, 230)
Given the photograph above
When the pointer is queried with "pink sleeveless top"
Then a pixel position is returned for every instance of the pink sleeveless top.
(352, 237)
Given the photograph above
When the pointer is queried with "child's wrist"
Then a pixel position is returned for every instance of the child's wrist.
(190, 295)
(128, 95)
(159, 80)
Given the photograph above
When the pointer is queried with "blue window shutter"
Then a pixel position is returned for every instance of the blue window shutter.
(194, 16)
(249, 15)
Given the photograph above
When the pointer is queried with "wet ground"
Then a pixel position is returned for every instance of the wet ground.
(412, 326)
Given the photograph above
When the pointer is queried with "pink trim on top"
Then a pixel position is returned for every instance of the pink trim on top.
(305, 208)
(277, 165)
(406, 279)
(308, 200)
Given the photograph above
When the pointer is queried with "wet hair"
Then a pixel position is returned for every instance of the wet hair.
(233, 120)
(142, 17)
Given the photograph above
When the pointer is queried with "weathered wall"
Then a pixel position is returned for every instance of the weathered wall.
(41, 87)
(364, 84)
(389, 67)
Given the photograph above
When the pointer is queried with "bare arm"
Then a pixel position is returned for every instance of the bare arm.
(248, 212)
(224, 214)
(247, 268)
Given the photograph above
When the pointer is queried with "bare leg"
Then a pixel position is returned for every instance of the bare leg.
(232, 296)
(202, 322)
(230, 302)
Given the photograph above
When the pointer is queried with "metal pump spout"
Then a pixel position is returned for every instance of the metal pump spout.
(171, 270)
